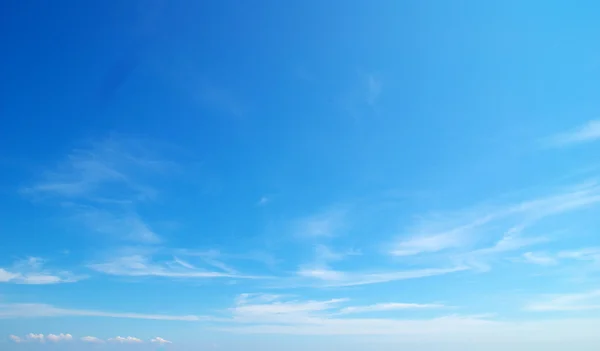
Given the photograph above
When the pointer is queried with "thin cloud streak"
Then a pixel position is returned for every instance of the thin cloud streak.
(140, 266)
(26, 310)
(586, 133)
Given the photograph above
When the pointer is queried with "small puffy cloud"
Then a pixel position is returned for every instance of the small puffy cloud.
(59, 337)
(159, 340)
(127, 340)
(92, 340)
(35, 337)
(15, 338)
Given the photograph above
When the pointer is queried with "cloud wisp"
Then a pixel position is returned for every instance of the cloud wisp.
(459, 233)
(567, 302)
(139, 265)
(588, 132)
(33, 310)
(273, 315)
(100, 186)
(31, 271)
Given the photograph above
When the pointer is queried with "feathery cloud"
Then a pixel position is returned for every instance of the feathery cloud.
(539, 259)
(15, 338)
(31, 271)
(588, 132)
(26, 310)
(140, 265)
(390, 306)
(567, 302)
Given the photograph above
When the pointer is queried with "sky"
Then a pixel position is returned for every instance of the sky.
(293, 175)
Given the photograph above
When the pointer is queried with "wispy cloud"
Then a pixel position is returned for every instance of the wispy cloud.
(390, 306)
(32, 271)
(461, 231)
(263, 201)
(324, 224)
(539, 259)
(324, 318)
(121, 224)
(582, 134)
(333, 278)
(567, 302)
(101, 184)
(27, 310)
(140, 265)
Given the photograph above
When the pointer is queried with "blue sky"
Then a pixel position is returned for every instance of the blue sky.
(292, 175)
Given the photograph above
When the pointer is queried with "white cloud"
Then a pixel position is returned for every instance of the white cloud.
(31, 271)
(160, 341)
(125, 340)
(22, 310)
(35, 337)
(279, 317)
(325, 224)
(140, 265)
(463, 230)
(59, 337)
(92, 340)
(539, 259)
(332, 278)
(426, 244)
(567, 302)
(391, 306)
(585, 133)
(585, 254)
(15, 338)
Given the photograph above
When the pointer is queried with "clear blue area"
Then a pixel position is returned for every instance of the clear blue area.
(268, 175)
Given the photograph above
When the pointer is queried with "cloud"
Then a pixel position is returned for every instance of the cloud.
(92, 340)
(539, 259)
(332, 278)
(374, 88)
(127, 340)
(567, 303)
(27, 310)
(426, 244)
(461, 231)
(263, 201)
(585, 133)
(140, 265)
(390, 306)
(31, 271)
(160, 341)
(123, 224)
(15, 338)
(100, 186)
(58, 338)
(276, 316)
(585, 254)
(326, 224)
(35, 337)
